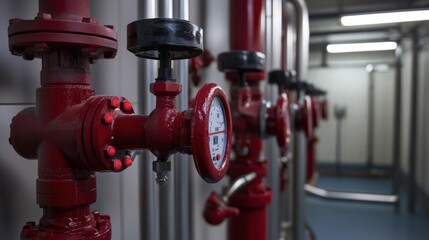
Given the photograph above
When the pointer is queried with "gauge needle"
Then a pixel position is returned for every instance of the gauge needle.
(213, 133)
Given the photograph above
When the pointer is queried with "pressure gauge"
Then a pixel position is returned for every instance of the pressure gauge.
(211, 126)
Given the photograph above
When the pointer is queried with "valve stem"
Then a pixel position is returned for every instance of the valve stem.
(161, 167)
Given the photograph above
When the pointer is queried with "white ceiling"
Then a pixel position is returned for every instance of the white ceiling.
(325, 26)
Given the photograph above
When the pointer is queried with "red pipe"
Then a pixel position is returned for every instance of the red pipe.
(252, 200)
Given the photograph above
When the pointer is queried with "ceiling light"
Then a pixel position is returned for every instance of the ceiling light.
(384, 18)
(361, 47)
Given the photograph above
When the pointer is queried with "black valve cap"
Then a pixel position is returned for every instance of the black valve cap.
(241, 61)
(146, 38)
(312, 90)
(284, 79)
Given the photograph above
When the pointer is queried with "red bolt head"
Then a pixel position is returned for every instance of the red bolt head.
(107, 118)
(128, 161)
(218, 157)
(110, 151)
(114, 102)
(126, 106)
(117, 165)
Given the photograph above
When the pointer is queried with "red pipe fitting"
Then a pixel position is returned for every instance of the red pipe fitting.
(315, 111)
(324, 109)
(215, 211)
(199, 63)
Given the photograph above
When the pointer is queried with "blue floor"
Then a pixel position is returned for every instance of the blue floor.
(335, 220)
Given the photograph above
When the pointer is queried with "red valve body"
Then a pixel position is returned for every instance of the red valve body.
(318, 109)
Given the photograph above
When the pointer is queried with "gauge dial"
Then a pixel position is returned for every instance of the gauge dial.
(217, 132)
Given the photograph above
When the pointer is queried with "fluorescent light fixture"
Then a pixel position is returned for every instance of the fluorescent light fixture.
(361, 47)
(384, 18)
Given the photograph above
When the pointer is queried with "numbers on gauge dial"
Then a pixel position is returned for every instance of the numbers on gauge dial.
(217, 132)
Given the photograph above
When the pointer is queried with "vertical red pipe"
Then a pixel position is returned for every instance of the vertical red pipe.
(65, 9)
(245, 25)
(65, 188)
(250, 224)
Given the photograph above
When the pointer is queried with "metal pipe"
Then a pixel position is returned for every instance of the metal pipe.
(338, 148)
(165, 8)
(370, 132)
(166, 192)
(237, 185)
(303, 39)
(289, 29)
(147, 70)
(397, 123)
(273, 42)
(348, 196)
(412, 154)
(300, 141)
(181, 166)
(272, 152)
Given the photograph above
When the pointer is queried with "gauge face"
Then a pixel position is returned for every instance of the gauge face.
(217, 132)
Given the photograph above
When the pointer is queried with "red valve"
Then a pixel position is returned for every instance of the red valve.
(324, 107)
(206, 130)
(278, 122)
(315, 111)
(305, 119)
(215, 211)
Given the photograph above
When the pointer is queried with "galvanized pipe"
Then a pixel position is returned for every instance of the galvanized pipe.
(181, 166)
(299, 139)
(147, 70)
(412, 154)
(350, 196)
(237, 185)
(289, 46)
(397, 123)
(370, 132)
(165, 8)
(273, 42)
(166, 192)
